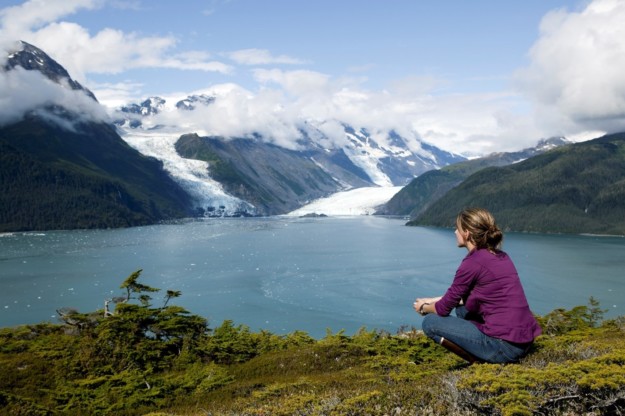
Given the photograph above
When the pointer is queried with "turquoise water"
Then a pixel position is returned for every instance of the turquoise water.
(287, 274)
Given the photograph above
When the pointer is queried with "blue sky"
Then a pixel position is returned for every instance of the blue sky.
(472, 45)
(468, 76)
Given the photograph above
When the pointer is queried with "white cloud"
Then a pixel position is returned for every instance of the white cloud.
(113, 51)
(80, 53)
(574, 83)
(34, 14)
(114, 95)
(236, 112)
(301, 82)
(22, 91)
(576, 78)
(108, 51)
(261, 57)
(291, 100)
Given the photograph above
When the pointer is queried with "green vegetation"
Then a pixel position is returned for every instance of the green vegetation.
(223, 170)
(578, 188)
(151, 358)
(192, 146)
(427, 188)
(88, 177)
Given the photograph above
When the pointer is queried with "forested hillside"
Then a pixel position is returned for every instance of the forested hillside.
(82, 177)
(427, 188)
(578, 188)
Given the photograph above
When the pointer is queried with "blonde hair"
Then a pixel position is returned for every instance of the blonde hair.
(481, 226)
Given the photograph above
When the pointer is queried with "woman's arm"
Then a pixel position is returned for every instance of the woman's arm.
(461, 287)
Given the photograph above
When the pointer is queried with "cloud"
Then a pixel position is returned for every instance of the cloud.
(108, 51)
(575, 78)
(573, 83)
(22, 91)
(36, 13)
(237, 112)
(80, 53)
(261, 57)
(114, 95)
(291, 101)
(300, 82)
(113, 51)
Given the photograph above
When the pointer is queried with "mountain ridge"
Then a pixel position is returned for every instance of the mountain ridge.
(31, 58)
(130, 173)
(60, 170)
(425, 189)
(273, 179)
(390, 163)
(578, 188)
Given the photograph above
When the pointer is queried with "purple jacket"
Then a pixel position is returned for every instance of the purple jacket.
(491, 290)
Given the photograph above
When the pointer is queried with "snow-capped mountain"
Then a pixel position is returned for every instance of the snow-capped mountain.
(359, 159)
(394, 163)
(31, 58)
(132, 114)
(251, 173)
(192, 101)
(149, 107)
(391, 161)
(63, 164)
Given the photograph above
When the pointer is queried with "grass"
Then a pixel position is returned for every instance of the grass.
(574, 368)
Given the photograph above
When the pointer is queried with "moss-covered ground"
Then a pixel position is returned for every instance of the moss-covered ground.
(146, 360)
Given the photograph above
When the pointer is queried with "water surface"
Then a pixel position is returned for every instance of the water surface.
(287, 274)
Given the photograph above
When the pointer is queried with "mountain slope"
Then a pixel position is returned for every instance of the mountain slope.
(273, 179)
(58, 179)
(31, 58)
(578, 188)
(60, 170)
(424, 190)
(388, 159)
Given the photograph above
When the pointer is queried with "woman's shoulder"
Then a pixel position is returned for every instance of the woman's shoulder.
(485, 254)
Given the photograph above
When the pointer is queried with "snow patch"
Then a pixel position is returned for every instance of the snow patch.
(360, 201)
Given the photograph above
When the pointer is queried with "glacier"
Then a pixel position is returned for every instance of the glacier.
(191, 174)
(359, 201)
(382, 158)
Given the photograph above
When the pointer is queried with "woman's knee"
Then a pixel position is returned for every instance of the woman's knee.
(429, 325)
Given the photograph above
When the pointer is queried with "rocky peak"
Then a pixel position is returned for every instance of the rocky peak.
(192, 101)
(31, 58)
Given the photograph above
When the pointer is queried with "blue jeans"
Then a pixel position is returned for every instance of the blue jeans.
(465, 334)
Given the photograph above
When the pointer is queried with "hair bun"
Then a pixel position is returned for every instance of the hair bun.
(482, 228)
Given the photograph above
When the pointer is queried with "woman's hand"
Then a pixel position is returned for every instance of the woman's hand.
(423, 306)
(420, 303)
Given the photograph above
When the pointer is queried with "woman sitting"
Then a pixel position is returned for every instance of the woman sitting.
(493, 321)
